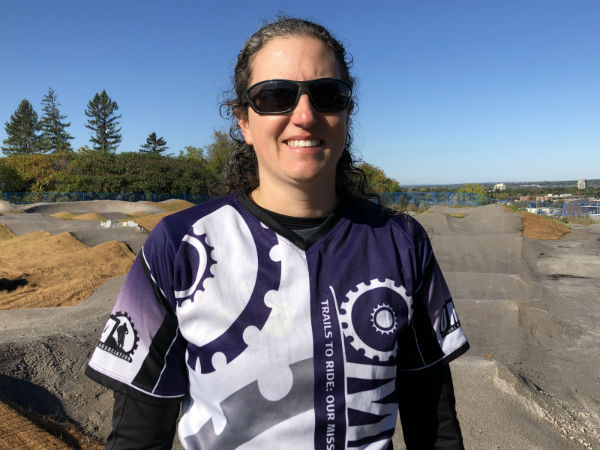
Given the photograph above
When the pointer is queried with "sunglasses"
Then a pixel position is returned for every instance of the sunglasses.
(281, 96)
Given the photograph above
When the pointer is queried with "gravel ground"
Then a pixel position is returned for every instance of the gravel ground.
(529, 308)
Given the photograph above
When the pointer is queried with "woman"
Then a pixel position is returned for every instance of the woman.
(291, 313)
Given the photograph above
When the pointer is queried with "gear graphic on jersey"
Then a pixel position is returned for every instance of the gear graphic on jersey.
(383, 319)
(119, 338)
(202, 272)
(230, 342)
(380, 301)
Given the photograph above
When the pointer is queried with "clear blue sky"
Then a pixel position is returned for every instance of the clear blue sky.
(448, 91)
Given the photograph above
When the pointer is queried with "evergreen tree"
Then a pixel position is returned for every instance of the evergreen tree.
(22, 131)
(54, 134)
(103, 122)
(154, 144)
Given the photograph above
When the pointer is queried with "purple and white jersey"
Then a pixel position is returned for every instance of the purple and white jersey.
(270, 341)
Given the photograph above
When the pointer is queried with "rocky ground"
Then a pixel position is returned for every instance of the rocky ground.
(529, 308)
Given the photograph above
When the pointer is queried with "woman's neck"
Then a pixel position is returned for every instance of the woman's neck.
(295, 202)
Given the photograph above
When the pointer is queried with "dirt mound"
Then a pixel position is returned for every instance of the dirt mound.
(481, 221)
(89, 216)
(171, 206)
(19, 431)
(6, 207)
(41, 270)
(149, 222)
(65, 215)
(97, 206)
(538, 227)
(5, 232)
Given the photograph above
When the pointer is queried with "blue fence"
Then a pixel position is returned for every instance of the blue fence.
(22, 198)
(428, 199)
(581, 208)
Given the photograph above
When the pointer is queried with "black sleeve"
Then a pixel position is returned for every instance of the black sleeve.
(427, 409)
(140, 425)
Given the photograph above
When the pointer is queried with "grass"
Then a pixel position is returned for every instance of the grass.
(579, 220)
(64, 215)
(512, 208)
(457, 215)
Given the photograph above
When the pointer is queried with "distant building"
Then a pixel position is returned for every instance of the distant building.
(544, 210)
(500, 187)
(582, 183)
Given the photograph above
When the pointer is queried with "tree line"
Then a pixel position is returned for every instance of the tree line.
(194, 170)
(28, 135)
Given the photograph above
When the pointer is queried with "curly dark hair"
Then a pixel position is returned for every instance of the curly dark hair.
(241, 169)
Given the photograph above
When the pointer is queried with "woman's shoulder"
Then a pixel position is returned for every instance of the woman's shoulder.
(173, 227)
(376, 215)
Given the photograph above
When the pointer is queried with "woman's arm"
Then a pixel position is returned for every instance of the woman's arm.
(427, 409)
(140, 425)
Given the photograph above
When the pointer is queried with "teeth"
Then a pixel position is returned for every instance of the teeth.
(303, 143)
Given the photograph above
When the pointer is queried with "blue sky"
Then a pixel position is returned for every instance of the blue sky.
(448, 91)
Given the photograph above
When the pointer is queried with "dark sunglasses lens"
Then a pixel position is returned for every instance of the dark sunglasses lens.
(329, 95)
(274, 96)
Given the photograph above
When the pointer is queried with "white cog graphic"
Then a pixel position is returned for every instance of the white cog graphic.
(205, 263)
(383, 319)
(383, 315)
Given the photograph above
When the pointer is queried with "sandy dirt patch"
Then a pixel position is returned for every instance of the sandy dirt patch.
(170, 206)
(6, 207)
(42, 270)
(538, 227)
(149, 222)
(19, 431)
(5, 232)
(65, 215)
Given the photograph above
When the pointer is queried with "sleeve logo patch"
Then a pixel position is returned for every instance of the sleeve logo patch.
(119, 337)
(448, 319)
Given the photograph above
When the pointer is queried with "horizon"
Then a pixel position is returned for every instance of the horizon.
(447, 93)
(520, 182)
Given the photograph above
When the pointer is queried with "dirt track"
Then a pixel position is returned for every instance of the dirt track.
(529, 308)
(47, 270)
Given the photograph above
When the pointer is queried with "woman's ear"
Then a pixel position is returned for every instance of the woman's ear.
(242, 119)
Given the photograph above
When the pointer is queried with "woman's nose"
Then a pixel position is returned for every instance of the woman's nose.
(304, 114)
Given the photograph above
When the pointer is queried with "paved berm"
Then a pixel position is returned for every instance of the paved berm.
(529, 308)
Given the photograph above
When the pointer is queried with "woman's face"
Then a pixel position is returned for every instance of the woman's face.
(300, 148)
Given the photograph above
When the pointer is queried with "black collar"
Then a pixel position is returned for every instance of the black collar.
(283, 225)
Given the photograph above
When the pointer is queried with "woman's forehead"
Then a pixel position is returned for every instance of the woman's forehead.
(294, 58)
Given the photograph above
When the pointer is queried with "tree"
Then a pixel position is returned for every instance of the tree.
(474, 188)
(103, 122)
(22, 131)
(216, 154)
(191, 153)
(54, 136)
(378, 181)
(155, 145)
